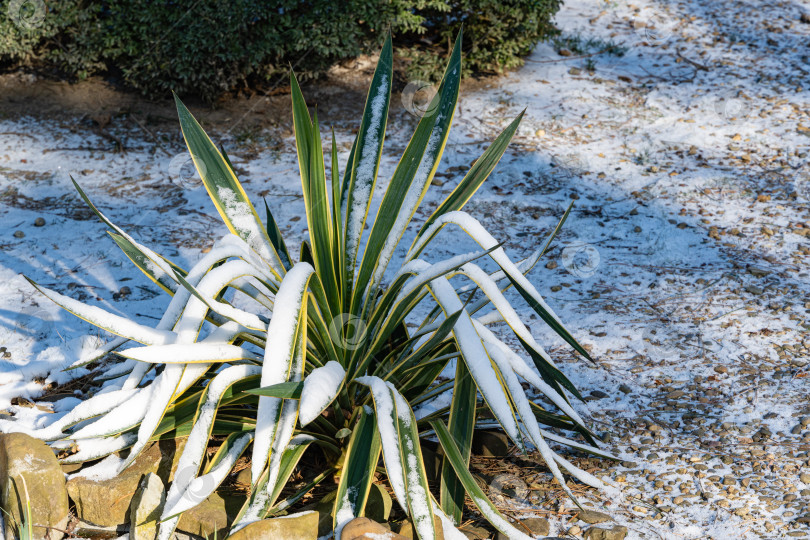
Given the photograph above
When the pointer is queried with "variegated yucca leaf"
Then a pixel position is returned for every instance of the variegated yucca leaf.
(333, 349)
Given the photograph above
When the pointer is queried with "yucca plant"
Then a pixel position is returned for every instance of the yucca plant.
(331, 353)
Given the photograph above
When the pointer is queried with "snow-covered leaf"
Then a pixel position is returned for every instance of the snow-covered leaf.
(108, 321)
(320, 389)
(192, 353)
(362, 455)
(286, 327)
(225, 190)
(364, 162)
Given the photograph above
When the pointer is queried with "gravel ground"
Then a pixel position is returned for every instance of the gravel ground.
(679, 129)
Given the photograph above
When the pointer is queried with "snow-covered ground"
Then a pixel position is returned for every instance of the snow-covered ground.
(683, 266)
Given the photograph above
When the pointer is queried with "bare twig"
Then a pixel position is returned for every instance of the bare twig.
(692, 63)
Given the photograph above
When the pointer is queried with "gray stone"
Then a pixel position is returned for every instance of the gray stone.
(596, 533)
(363, 528)
(301, 526)
(742, 511)
(592, 517)
(88, 530)
(490, 444)
(70, 468)
(145, 508)
(213, 516)
(243, 478)
(106, 502)
(537, 526)
(28, 465)
(475, 533)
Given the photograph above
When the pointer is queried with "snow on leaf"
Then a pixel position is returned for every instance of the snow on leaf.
(418, 497)
(124, 416)
(320, 388)
(490, 288)
(243, 219)
(109, 321)
(90, 449)
(95, 406)
(478, 233)
(427, 272)
(278, 356)
(197, 441)
(416, 191)
(201, 487)
(496, 347)
(345, 513)
(384, 404)
(163, 389)
(181, 353)
(476, 358)
(366, 166)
